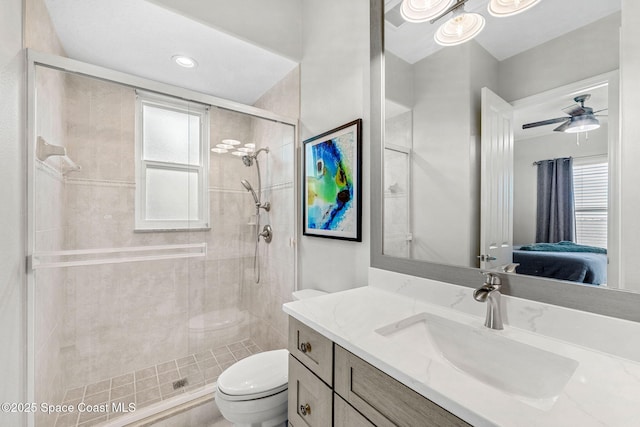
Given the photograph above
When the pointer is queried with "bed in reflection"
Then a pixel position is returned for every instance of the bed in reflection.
(563, 261)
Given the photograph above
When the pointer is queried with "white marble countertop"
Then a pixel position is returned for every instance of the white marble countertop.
(604, 390)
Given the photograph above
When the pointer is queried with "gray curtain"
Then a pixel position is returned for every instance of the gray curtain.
(556, 211)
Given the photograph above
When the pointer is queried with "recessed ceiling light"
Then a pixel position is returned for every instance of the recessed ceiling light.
(184, 61)
(219, 150)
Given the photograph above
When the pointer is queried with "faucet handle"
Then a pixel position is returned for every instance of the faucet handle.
(491, 279)
(509, 268)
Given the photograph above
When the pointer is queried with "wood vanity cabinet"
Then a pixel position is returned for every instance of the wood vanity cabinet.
(329, 386)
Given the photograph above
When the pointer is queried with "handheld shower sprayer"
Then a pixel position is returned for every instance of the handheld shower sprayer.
(246, 185)
(266, 205)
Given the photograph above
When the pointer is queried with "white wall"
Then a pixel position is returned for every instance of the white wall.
(530, 150)
(335, 90)
(630, 149)
(12, 212)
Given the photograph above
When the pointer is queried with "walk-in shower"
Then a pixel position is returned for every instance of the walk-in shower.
(146, 318)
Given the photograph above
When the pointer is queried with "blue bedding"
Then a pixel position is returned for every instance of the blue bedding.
(583, 267)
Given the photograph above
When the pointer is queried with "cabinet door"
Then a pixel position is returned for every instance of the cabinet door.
(310, 399)
(345, 416)
(312, 349)
(384, 400)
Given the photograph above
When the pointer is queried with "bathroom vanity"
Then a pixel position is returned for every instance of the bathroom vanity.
(415, 352)
(328, 382)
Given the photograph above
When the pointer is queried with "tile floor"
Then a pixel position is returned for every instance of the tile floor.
(151, 385)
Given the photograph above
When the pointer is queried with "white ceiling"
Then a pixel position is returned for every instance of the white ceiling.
(139, 37)
(502, 37)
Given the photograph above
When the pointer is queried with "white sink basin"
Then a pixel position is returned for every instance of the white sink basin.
(525, 371)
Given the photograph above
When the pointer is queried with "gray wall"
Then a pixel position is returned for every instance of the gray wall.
(582, 53)
(12, 212)
(445, 90)
(335, 90)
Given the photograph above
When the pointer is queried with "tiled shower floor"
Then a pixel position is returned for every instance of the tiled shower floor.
(152, 384)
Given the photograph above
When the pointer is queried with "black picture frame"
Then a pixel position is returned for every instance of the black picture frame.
(332, 183)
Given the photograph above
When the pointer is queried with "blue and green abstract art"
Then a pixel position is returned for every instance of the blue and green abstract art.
(332, 201)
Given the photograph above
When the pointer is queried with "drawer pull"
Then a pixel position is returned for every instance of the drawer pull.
(305, 347)
(305, 409)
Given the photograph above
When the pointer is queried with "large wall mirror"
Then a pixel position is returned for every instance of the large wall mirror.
(494, 146)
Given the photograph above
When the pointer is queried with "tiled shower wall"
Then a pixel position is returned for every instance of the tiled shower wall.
(115, 318)
(278, 259)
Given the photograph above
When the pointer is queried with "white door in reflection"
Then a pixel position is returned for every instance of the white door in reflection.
(496, 210)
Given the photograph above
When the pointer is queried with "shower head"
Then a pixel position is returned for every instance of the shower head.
(249, 188)
(249, 158)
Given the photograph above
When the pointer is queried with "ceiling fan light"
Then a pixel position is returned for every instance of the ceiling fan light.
(423, 10)
(461, 28)
(583, 123)
(504, 8)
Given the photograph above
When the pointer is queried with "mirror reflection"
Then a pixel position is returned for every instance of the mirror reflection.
(464, 183)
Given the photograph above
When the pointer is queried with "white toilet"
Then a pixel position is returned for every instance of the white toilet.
(253, 391)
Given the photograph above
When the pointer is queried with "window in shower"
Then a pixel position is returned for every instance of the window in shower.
(172, 143)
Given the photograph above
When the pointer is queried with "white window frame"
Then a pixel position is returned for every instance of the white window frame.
(142, 223)
(588, 161)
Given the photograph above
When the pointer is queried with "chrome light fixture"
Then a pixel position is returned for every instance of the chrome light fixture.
(424, 10)
(582, 123)
(460, 28)
(503, 8)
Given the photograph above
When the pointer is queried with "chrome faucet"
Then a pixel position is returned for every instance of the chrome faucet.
(490, 293)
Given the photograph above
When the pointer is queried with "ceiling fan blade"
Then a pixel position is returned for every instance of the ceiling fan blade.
(574, 110)
(545, 122)
(604, 109)
(563, 126)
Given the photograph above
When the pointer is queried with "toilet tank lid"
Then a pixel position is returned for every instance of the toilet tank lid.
(255, 374)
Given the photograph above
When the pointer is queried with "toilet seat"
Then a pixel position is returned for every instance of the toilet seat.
(255, 396)
(257, 376)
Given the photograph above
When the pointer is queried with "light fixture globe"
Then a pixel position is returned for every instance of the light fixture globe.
(582, 123)
(423, 10)
(461, 28)
(504, 8)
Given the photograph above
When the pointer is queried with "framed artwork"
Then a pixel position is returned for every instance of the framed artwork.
(332, 185)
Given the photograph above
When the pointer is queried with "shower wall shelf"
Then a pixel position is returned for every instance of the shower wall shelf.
(83, 257)
(44, 150)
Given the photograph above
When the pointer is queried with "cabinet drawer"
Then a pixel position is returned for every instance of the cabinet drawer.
(384, 400)
(345, 416)
(309, 398)
(312, 349)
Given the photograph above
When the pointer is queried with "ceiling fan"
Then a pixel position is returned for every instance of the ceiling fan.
(581, 118)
